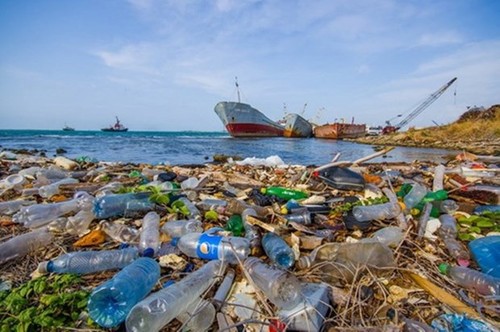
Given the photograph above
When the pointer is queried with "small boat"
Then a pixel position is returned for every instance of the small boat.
(296, 126)
(68, 128)
(339, 130)
(242, 120)
(116, 127)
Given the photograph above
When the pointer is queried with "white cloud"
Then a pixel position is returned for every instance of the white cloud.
(439, 39)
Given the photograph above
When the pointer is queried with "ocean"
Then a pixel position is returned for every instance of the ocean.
(191, 147)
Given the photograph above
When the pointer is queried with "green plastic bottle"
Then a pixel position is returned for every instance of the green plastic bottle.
(438, 195)
(284, 193)
(235, 225)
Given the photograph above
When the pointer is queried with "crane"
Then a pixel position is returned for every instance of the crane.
(419, 109)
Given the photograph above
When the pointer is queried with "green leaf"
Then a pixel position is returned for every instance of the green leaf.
(465, 237)
(27, 315)
(474, 229)
(485, 223)
(23, 327)
(464, 220)
(49, 299)
(40, 286)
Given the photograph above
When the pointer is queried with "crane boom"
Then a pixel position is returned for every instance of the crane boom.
(432, 98)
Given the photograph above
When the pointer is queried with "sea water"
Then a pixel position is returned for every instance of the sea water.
(192, 147)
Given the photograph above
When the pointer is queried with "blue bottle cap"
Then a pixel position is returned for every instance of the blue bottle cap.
(148, 252)
(174, 241)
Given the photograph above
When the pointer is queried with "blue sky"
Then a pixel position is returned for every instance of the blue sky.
(164, 64)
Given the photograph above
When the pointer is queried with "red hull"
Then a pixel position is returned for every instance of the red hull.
(252, 130)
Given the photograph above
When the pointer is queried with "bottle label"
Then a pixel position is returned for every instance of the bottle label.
(208, 246)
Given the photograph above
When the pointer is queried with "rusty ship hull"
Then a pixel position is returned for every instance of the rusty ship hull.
(297, 126)
(340, 130)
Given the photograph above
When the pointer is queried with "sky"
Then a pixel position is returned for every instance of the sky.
(162, 65)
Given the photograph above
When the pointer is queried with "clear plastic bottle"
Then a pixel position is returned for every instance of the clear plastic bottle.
(236, 206)
(86, 262)
(110, 303)
(149, 242)
(23, 244)
(379, 211)
(278, 250)
(437, 183)
(251, 233)
(218, 205)
(119, 233)
(390, 236)
(479, 282)
(10, 207)
(115, 205)
(414, 196)
(160, 308)
(223, 290)
(448, 206)
(345, 259)
(424, 219)
(208, 246)
(178, 228)
(486, 252)
(193, 210)
(38, 215)
(79, 223)
(448, 233)
(281, 287)
(302, 217)
(52, 189)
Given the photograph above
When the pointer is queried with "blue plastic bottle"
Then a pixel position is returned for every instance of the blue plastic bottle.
(110, 303)
(486, 252)
(122, 205)
(278, 251)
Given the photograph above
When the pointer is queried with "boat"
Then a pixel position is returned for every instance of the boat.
(340, 130)
(242, 120)
(296, 126)
(68, 128)
(116, 127)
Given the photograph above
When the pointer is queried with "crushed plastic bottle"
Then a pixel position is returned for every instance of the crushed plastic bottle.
(414, 196)
(476, 281)
(229, 249)
(23, 244)
(120, 233)
(115, 205)
(110, 303)
(79, 223)
(160, 308)
(178, 228)
(86, 262)
(278, 250)
(376, 212)
(281, 287)
(149, 242)
(38, 215)
(236, 206)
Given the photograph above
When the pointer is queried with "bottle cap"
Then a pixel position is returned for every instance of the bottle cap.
(444, 268)
(43, 267)
(174, 241)
(263, 190)
(148, 252)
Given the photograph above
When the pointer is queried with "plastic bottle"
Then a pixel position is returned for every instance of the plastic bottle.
(278, 250)
(218, 205)
(235, 225)
(178, 228)
(437, 183)
(198, 316)
(424, 219)
(52, 189)
(346, 258)
(390, 236)
(251, 233)
(379, 211)
(86, 262)
(38, 215)
(486, 252)
(10, 207)
(193, 210)
(110, 302)
(223, 290)
(23, 244)
(414, 196)
(284, 193)
(301, 217)
(479, 282)
(236, 206)
(160, 308)
(432, 196)
(115, 205)
(448, 206)
(79, 223)
(149, 242)
(208, 246)
(281, 287)
(448, 233)
(119, 233)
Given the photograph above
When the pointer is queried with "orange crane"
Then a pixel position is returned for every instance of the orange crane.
(419, 109)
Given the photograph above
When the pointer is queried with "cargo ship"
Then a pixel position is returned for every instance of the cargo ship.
(296, 126)
(242, 120)
(340, 130)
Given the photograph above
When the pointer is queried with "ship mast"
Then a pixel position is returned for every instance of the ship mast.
(237, 88)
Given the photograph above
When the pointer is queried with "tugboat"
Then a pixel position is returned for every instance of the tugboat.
(116, 127)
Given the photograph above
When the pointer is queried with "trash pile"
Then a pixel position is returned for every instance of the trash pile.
(254, 245)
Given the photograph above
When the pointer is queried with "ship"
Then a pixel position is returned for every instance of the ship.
(68, 128)
(116, 127)
(340, 130)
(242, 120)
(296, 126)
